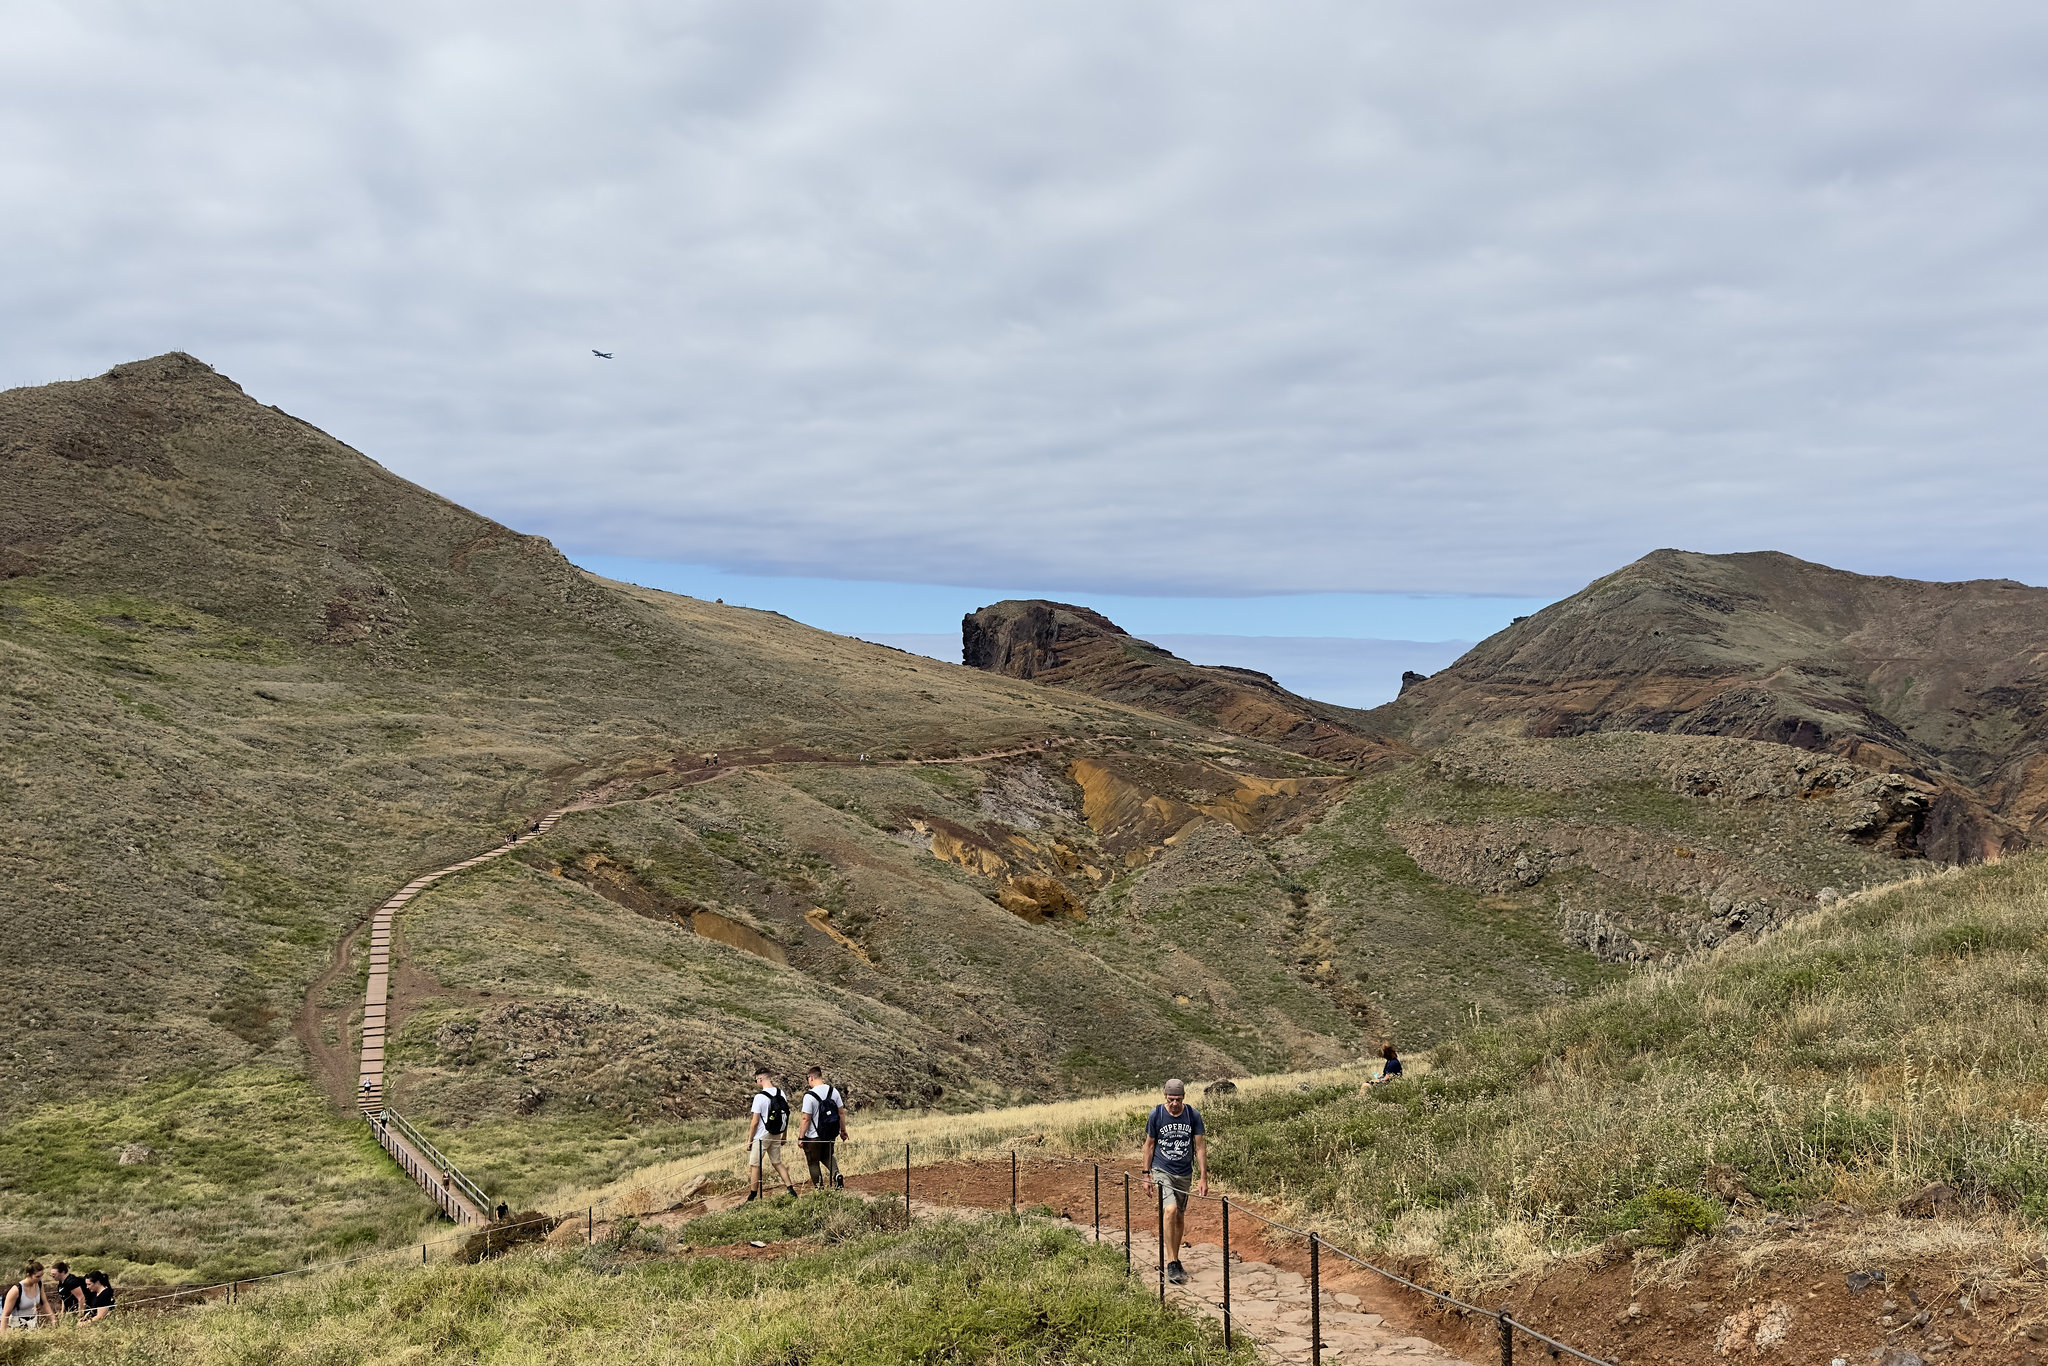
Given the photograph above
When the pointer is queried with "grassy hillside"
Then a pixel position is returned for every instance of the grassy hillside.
(250, 683)
(994, 1290)
(1888, 1042)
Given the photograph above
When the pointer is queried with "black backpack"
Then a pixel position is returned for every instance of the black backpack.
(828, 1116)
(776, 1123)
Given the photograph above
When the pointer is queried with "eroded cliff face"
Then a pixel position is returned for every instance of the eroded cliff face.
(1064, 646)
(1946, 683)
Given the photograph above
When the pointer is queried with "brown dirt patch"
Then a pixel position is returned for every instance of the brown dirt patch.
(1608, 1304)
(333, 1063)
(1067, 1187)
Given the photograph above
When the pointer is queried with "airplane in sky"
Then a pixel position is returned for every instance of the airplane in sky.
(601, 355)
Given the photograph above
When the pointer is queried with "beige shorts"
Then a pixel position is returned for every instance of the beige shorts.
(1175, 1189)
(766, 1147)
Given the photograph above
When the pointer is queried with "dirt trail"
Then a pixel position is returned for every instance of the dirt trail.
(333, 1061)
(737, 761)
(1364, 1318)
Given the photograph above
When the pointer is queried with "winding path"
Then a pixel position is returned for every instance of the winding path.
(376, 995)
(459, 1198)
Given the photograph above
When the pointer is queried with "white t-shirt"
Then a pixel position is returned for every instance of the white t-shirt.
(760, 1107)
(817, 1093)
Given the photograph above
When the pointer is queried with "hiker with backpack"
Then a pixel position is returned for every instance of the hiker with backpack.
(824, 1126)
(1176, 1152)
(29, 1303)
(767, 1129)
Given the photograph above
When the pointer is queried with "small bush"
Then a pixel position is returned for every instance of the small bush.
(1666, 1218)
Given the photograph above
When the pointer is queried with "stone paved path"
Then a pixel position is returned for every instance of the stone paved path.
(1270, 1304)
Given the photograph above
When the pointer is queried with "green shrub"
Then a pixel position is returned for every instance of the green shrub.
(1667, 1218)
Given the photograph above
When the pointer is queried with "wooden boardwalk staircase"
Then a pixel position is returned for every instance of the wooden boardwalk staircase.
(459, 1197)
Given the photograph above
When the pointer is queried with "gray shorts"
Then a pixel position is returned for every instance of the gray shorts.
(1175, 1188)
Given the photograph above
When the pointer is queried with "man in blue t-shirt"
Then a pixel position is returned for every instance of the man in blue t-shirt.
(1175, 1151)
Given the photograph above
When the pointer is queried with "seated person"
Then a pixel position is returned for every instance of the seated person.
(1390, 1068)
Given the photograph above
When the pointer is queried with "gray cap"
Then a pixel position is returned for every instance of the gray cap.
(1176, 1087)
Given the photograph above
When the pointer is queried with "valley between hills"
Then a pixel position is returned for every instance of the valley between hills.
(1705, 897)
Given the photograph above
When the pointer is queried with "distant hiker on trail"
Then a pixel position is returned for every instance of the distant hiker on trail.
(1175, 1150)
(824, 1126)
(767, 1130)
(99, 1297)
(27, 1304)
(1390, 1068)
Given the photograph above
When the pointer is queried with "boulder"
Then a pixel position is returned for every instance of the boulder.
(1936, 1200)
(502, 1235)
(1724, 1183)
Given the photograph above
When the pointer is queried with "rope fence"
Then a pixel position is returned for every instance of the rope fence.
(1508, 1325)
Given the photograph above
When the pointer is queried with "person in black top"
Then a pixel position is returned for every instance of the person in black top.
(70, 1294)
(98, 1297)
(1390, 1068)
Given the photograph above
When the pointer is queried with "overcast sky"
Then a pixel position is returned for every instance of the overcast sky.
(1174, 297)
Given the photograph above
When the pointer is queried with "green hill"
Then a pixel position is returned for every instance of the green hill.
(253, 683)
(1862, 1053)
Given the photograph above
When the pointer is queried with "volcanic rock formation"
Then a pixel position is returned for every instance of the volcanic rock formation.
(1066, 646)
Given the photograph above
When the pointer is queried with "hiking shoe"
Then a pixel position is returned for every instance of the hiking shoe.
(1176, 1273)
(839, 1183)
(791, 1190)
(753, 1195)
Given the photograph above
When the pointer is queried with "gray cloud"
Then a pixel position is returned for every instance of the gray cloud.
(1148, 297)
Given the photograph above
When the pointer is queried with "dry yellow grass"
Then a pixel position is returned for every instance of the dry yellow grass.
(1085, 1126)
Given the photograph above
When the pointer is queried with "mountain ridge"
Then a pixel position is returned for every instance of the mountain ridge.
(1942, 681)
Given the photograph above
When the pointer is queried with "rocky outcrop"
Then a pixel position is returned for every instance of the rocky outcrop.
(1499, 856)
(1032, 877)
(1136, 819)
(1065, 646)
(1883, 810)
(1942, 683)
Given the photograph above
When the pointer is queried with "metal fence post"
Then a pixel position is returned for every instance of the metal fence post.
(906, 1185)
(1315, 1300)
(1013, 1180)
(1098, 1202)
(1127, 1223)
(590, 1225)
(1507, 1337)
(1226, 1273)
(423, 1254)
(1160, 1210)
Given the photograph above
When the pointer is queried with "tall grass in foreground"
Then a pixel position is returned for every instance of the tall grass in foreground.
(1891, 1041)
(991, 1290)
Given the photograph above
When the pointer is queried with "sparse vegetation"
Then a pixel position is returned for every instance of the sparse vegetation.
(988, 1290)
(1888, 1042)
